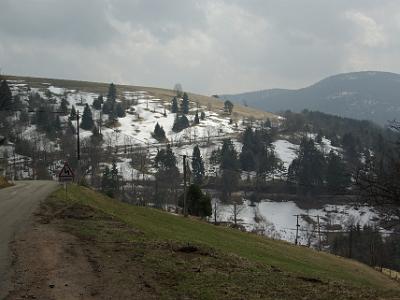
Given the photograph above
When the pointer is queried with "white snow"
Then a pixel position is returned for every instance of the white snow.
(286, 151)
(279, 221)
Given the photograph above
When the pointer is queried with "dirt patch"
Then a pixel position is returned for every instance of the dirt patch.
(309, 279)
(50, 264)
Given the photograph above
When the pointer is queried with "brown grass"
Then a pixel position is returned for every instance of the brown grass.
(4, 182)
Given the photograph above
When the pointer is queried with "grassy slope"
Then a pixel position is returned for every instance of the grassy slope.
(350, 277)
(163, 94)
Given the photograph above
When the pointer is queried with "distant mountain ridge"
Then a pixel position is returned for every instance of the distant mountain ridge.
(366, 95)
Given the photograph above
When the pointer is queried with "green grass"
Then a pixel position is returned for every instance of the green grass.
(241, 256)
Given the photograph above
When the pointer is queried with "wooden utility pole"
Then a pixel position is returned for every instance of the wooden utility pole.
(101, 120)
(319, 234)
(297, 229)
(78, 148)
(185, 210)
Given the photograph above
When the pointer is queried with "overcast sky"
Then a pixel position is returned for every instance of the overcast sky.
(209, 46)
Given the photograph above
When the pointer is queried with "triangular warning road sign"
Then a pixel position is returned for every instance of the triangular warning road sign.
(66, 173)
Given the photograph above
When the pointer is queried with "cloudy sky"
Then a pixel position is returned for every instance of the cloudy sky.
(209, 46)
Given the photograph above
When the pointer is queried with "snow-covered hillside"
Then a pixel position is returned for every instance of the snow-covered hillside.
(135, 130)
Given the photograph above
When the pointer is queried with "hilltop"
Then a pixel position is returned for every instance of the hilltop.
(361, 95)
(123, 251)
(159, 93)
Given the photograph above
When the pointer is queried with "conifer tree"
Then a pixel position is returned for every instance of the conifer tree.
(202, 115)
(159, 133)
(337, 179)
(308, 169)
(120, 111)
(112, 93)
(174, 105)
(87, 119)
(196, 119)
(72, 115)
(57, 123)
(185, 104)
(180, 123)
(98, 102)
(197, 166)
(199, 204)
(229, 165)
(64, 106)
(5, 96)
(228, 106)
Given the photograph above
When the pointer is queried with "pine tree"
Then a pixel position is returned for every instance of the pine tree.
(5, 96)
(174, 105)
(112, 93)
(97, 103)
(120, 111)
(112, 116)
(197, 166)
(106, 182)
(247, 158)
(165, 159)
(64, 106)
(70, 128)
(180, 123)
(202, 115)
(87, 119)
(196, 119)
(199, 204)
(228, 106)
(114, 176)
(107, 107)
(159, 133)
(229, 165)
(336, 177)
(72, 115)
(57, 123)
(185, 104)
(308, 168)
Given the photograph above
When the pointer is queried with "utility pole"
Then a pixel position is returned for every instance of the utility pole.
(78, 147)
(297, 229)
(15, 168)
(319, 234)
(185, 210)
(101, 119)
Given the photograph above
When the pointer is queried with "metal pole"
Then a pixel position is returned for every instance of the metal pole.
(185, 210)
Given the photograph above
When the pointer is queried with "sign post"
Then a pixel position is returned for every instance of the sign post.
(66, 175)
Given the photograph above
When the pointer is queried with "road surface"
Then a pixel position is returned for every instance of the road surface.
(17, 204)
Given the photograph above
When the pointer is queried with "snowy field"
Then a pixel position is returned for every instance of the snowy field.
(277, 219)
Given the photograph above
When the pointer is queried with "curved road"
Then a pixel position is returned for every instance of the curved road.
(17, 203)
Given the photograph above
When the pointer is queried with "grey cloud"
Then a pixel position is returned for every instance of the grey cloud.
(209, 46)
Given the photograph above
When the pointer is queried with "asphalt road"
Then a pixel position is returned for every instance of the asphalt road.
(17, 203)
